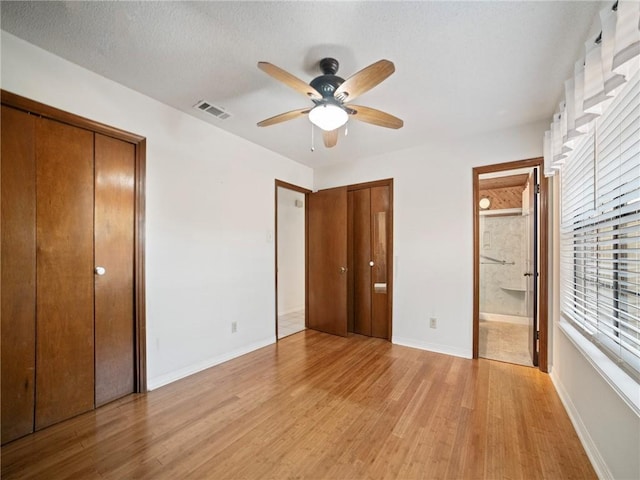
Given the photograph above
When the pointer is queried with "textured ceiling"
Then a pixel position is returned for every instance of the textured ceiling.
(462, 68)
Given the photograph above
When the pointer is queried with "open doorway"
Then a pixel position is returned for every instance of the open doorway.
(290, 259)
(510, 218)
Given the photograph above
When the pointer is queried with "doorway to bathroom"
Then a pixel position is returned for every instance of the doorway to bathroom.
(291, 229)
(510, 251)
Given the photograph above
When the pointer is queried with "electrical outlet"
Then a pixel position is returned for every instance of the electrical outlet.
(234, 327)
(433, 322)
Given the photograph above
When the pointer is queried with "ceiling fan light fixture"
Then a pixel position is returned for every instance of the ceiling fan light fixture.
(328, 117)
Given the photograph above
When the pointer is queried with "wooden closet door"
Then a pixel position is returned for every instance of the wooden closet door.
(114, 226)
(18, 273)
(64, 286)
(327, 213)
(361, 235)
(380, 239)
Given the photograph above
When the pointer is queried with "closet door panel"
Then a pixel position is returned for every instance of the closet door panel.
(114, 226)
(327, 213)
(361, 258)
(18, 273)
(64, 286)
(380, 234)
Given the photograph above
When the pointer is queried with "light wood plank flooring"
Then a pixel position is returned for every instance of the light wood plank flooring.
(320, 406)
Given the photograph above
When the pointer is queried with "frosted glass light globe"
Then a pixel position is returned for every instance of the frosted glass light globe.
(328, 117)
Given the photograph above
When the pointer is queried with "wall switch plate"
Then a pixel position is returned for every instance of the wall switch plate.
(234, 327)
(433, 322)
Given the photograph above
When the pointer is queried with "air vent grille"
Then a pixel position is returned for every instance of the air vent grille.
(217, 112)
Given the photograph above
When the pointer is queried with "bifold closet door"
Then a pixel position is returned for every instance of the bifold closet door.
(68, 206)
(64, 259)
(18, 273)
(369, 212)
(114, 227)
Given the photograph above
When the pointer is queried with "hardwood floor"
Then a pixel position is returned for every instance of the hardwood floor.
(320, 406)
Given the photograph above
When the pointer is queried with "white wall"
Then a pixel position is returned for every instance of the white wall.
(210, 255)
(433, 229)
(608, 428)
(291, 251)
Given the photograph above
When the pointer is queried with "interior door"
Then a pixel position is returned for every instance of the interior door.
(114, 226)
(18, 273)
(64, 285)
(532, 266)
(327, 216)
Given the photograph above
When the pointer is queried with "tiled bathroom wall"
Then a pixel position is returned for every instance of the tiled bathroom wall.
(502, 287)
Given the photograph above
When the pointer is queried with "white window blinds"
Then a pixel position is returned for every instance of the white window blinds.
(600, 231)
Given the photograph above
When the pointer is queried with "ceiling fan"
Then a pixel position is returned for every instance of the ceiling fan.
(330, 95)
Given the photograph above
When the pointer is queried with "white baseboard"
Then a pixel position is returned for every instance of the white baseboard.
(433, 347)
(168, 378)
(598, 463)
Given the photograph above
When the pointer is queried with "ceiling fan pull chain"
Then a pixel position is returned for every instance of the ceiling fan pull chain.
(312, 142)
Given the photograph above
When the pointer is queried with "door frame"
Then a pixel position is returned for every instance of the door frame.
(306, 192)
(543, 256)
(140, 143)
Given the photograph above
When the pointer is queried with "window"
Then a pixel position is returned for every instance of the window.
(600, 231)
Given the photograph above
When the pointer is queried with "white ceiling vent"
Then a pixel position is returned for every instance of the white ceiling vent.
(217, 112)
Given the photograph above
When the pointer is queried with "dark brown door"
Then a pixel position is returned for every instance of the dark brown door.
(114, 218)
(64, 286)
(67, 334)
(532, 267)
(369, 237)
(328, 261)
(18, 273)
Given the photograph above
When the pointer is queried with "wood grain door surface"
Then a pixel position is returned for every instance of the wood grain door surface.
(18, 273)
(328, 261)
(380, 233)
(369, 241)
(114, 243)
(361, 238)
(67, 335)
(64, 287)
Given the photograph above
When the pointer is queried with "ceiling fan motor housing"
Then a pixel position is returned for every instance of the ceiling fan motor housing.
(327, 83)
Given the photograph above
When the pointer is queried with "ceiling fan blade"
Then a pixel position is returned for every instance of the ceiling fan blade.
(289, 80)
(283, 117)
(330, 138)
(375, 117)
(364, 80)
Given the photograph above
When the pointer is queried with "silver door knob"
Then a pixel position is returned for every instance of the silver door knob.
(371, 263)
(100, 270)
(343, 270)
